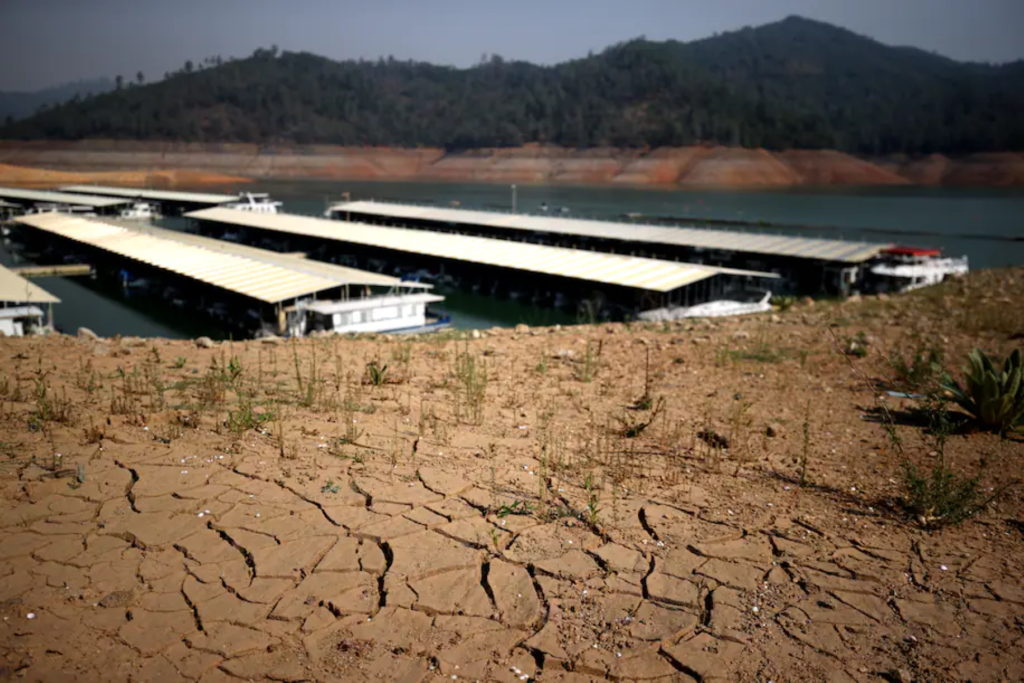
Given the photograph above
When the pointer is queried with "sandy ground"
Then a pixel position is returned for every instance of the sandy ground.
(158, 526)
(24, 176)
(664, 167)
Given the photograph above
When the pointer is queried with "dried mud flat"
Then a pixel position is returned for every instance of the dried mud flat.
(443, 526)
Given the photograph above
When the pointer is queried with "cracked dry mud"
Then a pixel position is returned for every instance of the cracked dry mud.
(537, 544)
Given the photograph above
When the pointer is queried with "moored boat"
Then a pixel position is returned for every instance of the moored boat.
(392, 313)
(255, 202)
(902, 269)
(709, 309)
(139, 210)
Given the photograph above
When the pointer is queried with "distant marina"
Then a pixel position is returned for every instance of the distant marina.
(565, 268)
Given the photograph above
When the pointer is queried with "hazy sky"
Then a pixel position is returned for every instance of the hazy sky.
(46, 42)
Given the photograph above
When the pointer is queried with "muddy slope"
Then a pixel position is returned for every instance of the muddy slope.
(720, 167)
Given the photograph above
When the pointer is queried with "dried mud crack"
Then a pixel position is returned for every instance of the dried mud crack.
(537, 543)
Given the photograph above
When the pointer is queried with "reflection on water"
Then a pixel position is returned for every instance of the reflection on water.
(955, 220)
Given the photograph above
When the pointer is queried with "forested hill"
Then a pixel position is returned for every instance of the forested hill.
(792, 84)
(18, 105)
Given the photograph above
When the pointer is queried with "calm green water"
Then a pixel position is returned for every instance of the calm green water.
(986, 225)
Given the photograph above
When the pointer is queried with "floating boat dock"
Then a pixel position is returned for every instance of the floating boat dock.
(524, 263)
(270, 288)
(181, 201)
(805, 262)
(18, 313)
(63, 270)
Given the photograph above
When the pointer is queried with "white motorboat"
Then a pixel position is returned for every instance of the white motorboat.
(710, 309)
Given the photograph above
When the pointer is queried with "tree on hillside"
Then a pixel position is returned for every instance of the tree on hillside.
(793, 84)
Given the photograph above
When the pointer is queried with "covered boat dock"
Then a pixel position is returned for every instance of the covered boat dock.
(63, 201)
(20, 301)
(807, 263)
(263, 284)
(632, 281)
(180, 201)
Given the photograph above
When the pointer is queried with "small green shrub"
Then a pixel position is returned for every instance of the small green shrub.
(519, 507)
(922, 370)
(856, 346)
(376, 373)
(593, 502)
(247, 417)
(233, 369)
(470, 387)
(51, 407)
(587, 370)
(783, 302)
(632, 427)
(994, 398)
(940, 496)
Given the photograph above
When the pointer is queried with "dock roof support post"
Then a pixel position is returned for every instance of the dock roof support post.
(282, 321)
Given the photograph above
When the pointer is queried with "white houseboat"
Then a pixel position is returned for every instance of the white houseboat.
(139, 211)
(392, 313)
(902, 269)
(255, 202)
(18, 321)
(21, 306)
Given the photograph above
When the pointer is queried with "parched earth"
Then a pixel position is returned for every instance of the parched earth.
(160, 524)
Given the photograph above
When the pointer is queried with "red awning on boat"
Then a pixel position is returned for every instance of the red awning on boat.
(912, 251)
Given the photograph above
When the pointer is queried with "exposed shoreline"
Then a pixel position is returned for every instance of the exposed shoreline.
(504, 503)
(159, 164)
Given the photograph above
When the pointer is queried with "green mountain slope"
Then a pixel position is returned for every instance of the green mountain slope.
(792, 84)
(18, 105)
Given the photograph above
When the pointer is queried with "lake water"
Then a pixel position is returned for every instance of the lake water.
(986, 225)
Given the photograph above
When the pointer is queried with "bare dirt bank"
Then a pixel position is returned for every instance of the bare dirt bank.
(724, 167)
(263, 511)
(24, 176)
